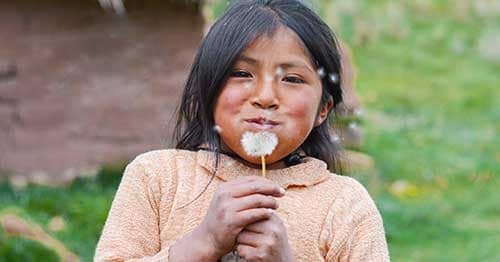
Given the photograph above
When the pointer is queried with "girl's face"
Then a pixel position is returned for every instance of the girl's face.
(273, 87)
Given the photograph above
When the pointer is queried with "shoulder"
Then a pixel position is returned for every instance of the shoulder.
(354, 226)
(159, 161)
(162, 156)
(348, 193)
(351, 207)
(347, 185)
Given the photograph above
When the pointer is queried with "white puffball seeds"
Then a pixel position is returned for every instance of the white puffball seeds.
(217, 129)
(269, 113)
(260, 143)
(359, 112)
(268, 78)
(334, 78)
(321, 72)
(279, 72)
(248, 85)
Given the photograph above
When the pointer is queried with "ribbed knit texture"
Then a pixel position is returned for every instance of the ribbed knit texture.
(328, 217)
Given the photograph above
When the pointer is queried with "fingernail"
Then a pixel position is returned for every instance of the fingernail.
(282, 190)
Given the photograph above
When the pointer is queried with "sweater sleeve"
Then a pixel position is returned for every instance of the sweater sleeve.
(356, 228)
(131, 231)
(368, 242)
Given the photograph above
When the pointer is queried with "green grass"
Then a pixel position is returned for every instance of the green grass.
(432, 121)
(84, 206)
(19, 249)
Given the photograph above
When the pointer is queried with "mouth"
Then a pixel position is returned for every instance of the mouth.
(261, 123)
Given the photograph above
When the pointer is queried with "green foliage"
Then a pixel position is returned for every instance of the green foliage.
(84, 205)
(431, 122)
(19, 249)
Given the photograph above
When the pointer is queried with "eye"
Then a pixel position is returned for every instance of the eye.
(240, 74)
(294, 80)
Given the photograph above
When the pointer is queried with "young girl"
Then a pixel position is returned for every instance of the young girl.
(266, 66)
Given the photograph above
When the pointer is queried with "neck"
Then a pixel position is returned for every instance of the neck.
(225, 150)
(276, 165)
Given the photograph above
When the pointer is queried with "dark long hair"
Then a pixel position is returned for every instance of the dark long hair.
(242, 23)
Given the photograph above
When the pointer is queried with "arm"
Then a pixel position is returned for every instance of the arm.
(356, 228)
(132, 232)
(368, 240)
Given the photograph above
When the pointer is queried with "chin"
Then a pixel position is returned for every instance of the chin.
(270, 159)
(253, 160)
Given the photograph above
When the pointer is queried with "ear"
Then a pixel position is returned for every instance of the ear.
(323, 112)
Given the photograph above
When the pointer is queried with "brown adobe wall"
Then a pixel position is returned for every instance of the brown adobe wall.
(80, 87)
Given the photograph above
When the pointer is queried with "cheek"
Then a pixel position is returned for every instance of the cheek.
(230, 98)
(228, 105)
(302, 109)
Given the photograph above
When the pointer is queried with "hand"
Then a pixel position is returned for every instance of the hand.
(236, 204)
(265, 241)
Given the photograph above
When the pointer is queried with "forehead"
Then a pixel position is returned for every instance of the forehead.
(283, 43)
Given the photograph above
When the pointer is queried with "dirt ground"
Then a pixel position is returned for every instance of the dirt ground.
(80, 87)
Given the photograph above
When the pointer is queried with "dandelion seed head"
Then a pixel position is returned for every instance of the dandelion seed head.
(247, 85)
(217, 129)
(334, 78)
(260, 143)
(359, 112)
(321, 72)
(269, 113)
(279, 72)
(268, 78)
(353, 125)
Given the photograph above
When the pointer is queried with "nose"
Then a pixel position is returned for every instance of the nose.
(264, 96)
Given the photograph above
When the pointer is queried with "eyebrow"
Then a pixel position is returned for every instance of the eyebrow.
(285, 65)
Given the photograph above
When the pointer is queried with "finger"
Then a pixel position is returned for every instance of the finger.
(259, 186)
(246, 179)
(247, 252)
(266, 226)
(250, 216)
(249, 238)
(255, 201)
(259, 227)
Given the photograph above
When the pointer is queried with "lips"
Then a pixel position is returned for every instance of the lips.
(261, 123)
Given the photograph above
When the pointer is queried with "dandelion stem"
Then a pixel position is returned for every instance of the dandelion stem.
(263, 160)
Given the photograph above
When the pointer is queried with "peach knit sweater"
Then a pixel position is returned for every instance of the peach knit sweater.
(328, 217)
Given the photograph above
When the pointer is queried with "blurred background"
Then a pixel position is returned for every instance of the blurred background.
(86, 85)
